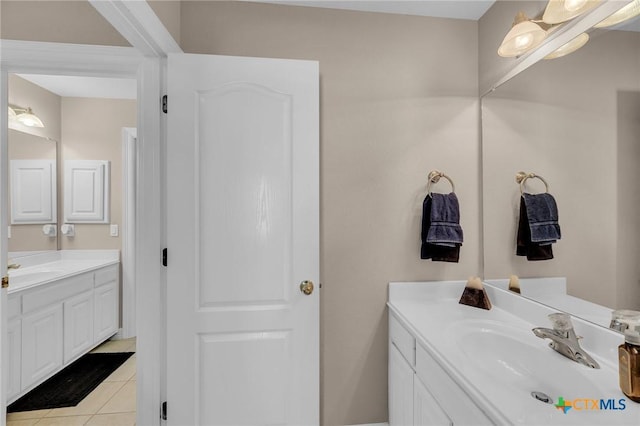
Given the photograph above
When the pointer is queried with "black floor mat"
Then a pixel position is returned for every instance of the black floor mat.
(71, 385)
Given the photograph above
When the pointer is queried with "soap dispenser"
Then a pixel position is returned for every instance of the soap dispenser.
(629, 362)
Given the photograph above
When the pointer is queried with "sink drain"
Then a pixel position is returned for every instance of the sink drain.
(542, 397)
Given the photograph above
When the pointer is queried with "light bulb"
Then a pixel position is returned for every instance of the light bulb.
(573, 5)
(523, 41)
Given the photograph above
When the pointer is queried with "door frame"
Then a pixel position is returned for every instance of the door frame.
(118, 62)
(128, 229)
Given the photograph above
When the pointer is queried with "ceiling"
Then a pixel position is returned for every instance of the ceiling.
(460, 9)
(85, 87)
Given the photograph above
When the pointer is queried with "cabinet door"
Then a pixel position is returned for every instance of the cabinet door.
(78, 325)
(426, 411)
(400, 389)
(106, 311)
(14, 343)
(41, 344)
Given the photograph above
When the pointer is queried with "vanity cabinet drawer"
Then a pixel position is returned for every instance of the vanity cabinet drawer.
(106, 275)
(402, 340)
(48, 294)
(454, 401)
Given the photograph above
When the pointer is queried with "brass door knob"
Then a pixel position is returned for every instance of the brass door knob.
(5, 281)
(306, 287)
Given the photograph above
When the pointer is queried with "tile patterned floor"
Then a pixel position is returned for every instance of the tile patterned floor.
(112, 403)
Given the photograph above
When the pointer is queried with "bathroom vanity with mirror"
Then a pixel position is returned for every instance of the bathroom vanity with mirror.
(453, 364)
(60, 305)
(575, 121)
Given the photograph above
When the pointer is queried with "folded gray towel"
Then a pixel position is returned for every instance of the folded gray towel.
(542, 214)
(445, 227)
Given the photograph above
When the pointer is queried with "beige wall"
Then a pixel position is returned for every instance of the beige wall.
(398, 99)
(56, 21)
(168, 11)
(92, 130)
(30, 142)
(628, 195)
(560, 119)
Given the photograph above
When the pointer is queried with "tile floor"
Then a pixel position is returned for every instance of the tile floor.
(112, 403)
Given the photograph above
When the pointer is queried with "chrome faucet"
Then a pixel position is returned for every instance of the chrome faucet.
(564, 340)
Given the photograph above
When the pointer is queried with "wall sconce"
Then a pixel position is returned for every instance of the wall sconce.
(24, 116)
(558, 11)
(525, 35)
(625, 13)
(569, 47)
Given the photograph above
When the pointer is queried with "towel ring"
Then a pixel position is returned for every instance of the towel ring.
(434, 177)
(521, 178)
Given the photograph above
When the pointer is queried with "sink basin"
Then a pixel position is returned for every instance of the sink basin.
(518, 359)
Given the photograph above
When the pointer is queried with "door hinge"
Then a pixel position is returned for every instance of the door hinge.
(164, 104)
(163, 411)
(164, 257)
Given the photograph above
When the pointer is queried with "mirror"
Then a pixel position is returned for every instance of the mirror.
(575, 121)
(29, 152)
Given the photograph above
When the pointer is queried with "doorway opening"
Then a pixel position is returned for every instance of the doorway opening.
(86, 119)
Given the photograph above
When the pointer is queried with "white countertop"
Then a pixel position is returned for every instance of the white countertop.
(43, 268)
(441, 326)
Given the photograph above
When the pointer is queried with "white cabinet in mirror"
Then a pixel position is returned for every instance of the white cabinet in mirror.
(33, 191)
(86, 191)
(32, 188)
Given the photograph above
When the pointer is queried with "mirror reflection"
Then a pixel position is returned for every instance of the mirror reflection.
(32, 193)
(575, 121)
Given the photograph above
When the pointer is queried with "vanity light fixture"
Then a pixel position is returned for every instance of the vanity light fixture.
(625, 13)
(569, 47)
(558, 11)
(525, 35)
(25, 116)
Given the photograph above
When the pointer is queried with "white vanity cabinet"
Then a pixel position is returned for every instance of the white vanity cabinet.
(106, 303)
(400, 389)
(78, 325)
(54, 323)
(420, 392)
(41, 344)
(14, 342)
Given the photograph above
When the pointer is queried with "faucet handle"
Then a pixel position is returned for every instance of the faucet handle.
(561, 321)
(13, 266)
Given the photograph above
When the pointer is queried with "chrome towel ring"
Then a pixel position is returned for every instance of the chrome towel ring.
(521, 178)
(434, 177)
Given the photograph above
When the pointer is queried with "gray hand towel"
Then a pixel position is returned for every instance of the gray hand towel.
(445, 227)
(542, 214)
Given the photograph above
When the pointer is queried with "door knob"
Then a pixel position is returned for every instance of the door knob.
(306, 287)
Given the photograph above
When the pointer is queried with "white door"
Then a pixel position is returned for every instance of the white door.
(242, 234)
(4, 213)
